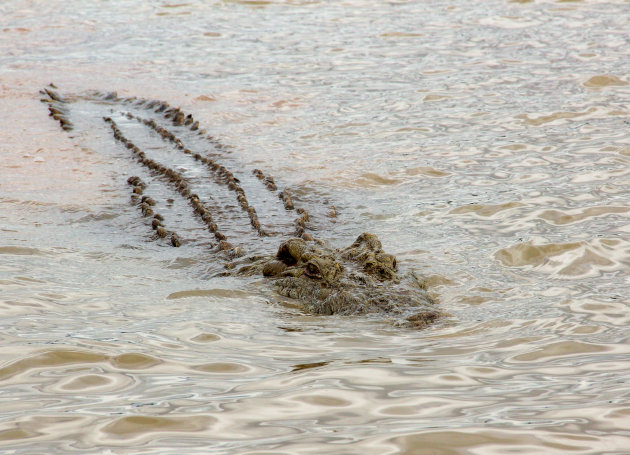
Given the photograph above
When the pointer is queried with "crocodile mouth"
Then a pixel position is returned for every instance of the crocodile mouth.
(407, 307)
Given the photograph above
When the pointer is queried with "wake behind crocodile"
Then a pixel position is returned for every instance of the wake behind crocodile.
(179, 170)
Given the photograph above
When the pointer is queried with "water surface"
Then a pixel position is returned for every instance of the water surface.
(486, 143)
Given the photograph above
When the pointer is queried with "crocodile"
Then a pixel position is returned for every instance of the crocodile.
(358, 279)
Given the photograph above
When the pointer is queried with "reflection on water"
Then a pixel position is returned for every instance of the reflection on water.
(487, 145)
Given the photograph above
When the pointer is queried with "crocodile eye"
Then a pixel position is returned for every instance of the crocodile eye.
(312, 270)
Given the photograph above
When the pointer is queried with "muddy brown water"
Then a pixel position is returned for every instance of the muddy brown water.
(486, 143)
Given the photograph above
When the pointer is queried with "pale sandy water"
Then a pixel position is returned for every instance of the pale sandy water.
(486, 143)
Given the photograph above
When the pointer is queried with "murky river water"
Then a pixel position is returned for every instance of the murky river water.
(486, 143)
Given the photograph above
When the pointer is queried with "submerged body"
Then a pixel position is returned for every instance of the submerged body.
(359, 279)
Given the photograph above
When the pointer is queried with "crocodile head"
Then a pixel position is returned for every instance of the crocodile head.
(361, 278)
